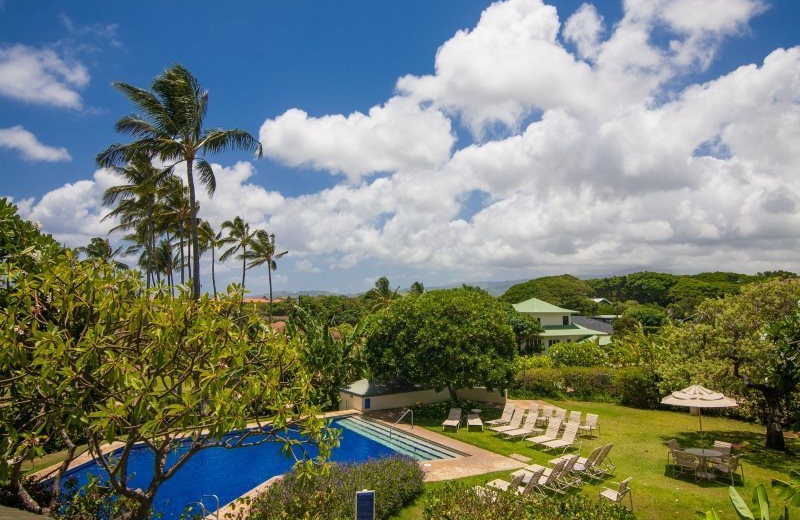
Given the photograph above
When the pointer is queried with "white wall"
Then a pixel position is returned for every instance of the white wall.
(551, 319)
(407, 399)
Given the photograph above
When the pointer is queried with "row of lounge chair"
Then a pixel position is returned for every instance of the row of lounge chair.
(453, 420)
(566, 472)
(524, 424)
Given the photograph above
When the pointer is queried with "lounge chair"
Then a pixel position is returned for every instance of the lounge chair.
(567, 441)
(590, 425)
(453, 419)
(617, 495)
(574, 416)
(553, 425)
(527, 428)
(603, 466)
(583, 465)
(505, 418)
(516, 420)
(685, 462)
(504, 485)
(548, 479)
(560, 413)
(728, 466)
(474, 421)
(547, 413)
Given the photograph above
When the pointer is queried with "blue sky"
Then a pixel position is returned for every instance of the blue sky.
(446, 173)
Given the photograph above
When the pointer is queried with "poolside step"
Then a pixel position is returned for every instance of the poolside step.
(398, 440)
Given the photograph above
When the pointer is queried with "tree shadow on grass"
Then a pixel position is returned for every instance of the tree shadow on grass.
(687, 477)
(750, 445)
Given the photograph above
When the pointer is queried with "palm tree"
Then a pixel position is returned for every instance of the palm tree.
(238, 237)
(170, 127)
(381, 295)
(100, 248)
(263, 252)
(210, 240)
(136, 201)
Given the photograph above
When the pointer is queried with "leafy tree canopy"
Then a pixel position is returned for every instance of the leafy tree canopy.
(563, 290)
(455, 338)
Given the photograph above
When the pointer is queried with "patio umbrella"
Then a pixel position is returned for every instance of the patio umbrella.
(696, 397)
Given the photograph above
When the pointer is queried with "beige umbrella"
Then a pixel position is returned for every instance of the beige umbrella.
(696, 397)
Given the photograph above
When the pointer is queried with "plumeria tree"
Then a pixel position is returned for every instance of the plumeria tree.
(89, 353)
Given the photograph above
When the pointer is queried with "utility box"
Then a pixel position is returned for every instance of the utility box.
(365, 505)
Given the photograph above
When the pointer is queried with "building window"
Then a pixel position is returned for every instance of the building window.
(367, 403)
(551, 342)
(565, 320)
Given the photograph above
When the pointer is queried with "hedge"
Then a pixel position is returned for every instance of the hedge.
(396, 481)
(631, 386)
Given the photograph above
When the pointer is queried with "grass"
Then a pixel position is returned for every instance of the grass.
(639, 451)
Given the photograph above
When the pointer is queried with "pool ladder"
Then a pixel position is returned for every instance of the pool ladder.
(204, 510)
(394, 426)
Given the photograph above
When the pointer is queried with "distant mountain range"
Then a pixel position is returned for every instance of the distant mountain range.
(493, 288)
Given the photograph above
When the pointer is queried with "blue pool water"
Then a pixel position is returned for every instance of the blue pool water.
(227, 473)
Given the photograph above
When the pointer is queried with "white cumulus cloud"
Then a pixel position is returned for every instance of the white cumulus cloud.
(29, 147)
(41, 76)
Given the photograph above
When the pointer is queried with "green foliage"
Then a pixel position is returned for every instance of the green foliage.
(437, 411)
(789, 490)
(625, 325)
(538, 383)
(332, 356)
(560, 290)
(638, 387)
(94, 501)
(529, 362)
(524, 326)
(395, 480)
(577, 354)
(21, 241)
(100, 357)
(454, 500)
(453, 338)
(649, 316)
(333, 309)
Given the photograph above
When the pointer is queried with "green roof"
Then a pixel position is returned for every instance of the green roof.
(554, 331)
(536, 305)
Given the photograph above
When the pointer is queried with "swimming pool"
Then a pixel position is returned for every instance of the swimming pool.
(230, 473)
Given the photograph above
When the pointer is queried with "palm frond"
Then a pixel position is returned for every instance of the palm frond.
(150, 105)
(136, 126)
(206, 176)
(218, 140)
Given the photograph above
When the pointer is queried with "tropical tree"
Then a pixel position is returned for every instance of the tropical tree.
(100, 248)
(262, 251)
(452, 339)
(238, 237)
(382, 295)
(89, 353)
(209, 239)
(170, 127)
(417, 288)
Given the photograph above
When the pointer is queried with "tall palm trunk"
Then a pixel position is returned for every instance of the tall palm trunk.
(213, 275)
(193, 230)
(269, 277)
(183, 260)
(244, 263)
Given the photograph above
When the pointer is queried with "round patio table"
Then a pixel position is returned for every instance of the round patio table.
(476, 410)
(704, 454)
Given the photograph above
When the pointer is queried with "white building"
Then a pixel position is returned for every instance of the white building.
(557, 324)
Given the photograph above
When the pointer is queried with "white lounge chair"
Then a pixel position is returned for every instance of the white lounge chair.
(527, 428)
(548, 478)
(474, 421)
(505, 418)
(583, 465)
(453, 419)
(567, 441)
(547, 413)
(617, 495)
(504, 485)
(516, 420)
(553, 425)
(574, 416)
(603, 466)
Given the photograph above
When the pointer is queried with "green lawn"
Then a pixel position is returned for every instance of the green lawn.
(639, 451)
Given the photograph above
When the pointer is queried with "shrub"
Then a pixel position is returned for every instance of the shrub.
(589, 383)
(528, 362)
(396, 481)
(538, 383)
(438, 411)
(580, 354)
(456, 500)
(638, 387)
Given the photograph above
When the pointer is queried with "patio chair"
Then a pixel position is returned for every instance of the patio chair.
(505, 418)
(533, 482)
(516, 420)
(584, 466)
(560, 413)
(504, 485)
(728, 466)
(527, 428)
(553, 425)
(474, 421)
(673, 446)
(617, 495)
(568, 477)
(590, 424)
(453, 419)
(567, 441)
(574, 416)
(547, 412)
(549, 480)
(725, 448)
(685, 462)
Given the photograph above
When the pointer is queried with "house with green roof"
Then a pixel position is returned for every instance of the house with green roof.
(558, 325)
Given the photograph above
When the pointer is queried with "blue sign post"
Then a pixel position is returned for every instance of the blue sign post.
(365, 505)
